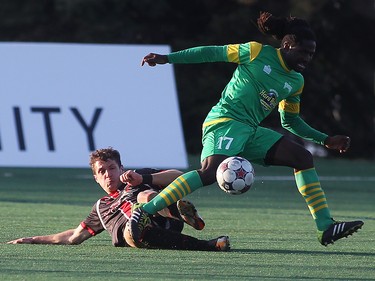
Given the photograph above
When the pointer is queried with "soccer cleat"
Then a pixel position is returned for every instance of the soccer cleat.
(138, 222)
(189, 214)
(338, 230)
(221, 243)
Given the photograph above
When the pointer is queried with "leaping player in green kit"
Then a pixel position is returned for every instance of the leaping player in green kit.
(265, 78)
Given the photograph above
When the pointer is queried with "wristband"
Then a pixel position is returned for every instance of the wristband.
(147, 179)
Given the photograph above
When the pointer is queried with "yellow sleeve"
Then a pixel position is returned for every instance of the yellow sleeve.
(243, 53)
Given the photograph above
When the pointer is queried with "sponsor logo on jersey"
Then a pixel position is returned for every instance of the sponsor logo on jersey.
(268, 100)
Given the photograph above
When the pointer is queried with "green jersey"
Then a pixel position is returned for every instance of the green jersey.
(261, 82)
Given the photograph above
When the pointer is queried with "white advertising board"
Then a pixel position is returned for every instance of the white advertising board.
(61, 101)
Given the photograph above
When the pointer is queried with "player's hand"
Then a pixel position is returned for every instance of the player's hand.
(24, 240)
(338, 142)
(154, 59)
(131, 178)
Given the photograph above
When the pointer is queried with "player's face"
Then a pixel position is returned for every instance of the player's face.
(107, 175)
(299, 56)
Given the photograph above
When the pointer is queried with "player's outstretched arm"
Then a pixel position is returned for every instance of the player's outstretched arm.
(154, 59)
(162, 178)
(338, 142)
(68, 237)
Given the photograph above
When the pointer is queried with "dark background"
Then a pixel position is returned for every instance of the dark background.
(339, 96)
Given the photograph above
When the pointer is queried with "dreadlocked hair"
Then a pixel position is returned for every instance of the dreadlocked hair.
(291, 29)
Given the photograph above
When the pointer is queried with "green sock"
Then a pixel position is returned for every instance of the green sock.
(309, 186)
(179, 188)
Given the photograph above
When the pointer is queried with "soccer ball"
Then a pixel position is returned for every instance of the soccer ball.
(235, 175)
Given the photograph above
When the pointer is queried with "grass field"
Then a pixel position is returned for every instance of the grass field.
(272, 234)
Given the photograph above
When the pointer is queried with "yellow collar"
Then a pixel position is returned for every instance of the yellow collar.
(283, 64)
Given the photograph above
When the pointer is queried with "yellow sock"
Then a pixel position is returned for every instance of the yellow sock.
(309, 186)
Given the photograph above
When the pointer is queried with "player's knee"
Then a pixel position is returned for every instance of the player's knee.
(304, 160)
(146, 196)
(208, 175)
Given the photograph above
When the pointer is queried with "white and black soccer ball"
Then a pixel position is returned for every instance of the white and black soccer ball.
(235, 175)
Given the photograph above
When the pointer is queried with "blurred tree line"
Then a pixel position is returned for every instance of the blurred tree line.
(339, 96)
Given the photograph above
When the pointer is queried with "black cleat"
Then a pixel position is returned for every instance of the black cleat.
(139, 220)
(338, 230)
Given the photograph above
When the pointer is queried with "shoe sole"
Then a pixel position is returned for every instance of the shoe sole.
(189, 214)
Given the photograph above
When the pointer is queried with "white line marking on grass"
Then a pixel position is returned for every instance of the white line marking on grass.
(322, 178)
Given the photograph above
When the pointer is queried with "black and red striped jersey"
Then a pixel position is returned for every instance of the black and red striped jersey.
(112, 211)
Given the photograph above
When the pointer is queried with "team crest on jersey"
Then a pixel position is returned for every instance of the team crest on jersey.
(267, 69)
(268, 99)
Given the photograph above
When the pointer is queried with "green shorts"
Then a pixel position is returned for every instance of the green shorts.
(235, 138)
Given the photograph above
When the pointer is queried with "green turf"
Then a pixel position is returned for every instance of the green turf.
(273, 236)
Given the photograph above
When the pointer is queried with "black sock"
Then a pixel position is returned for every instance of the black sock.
(160, 238)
